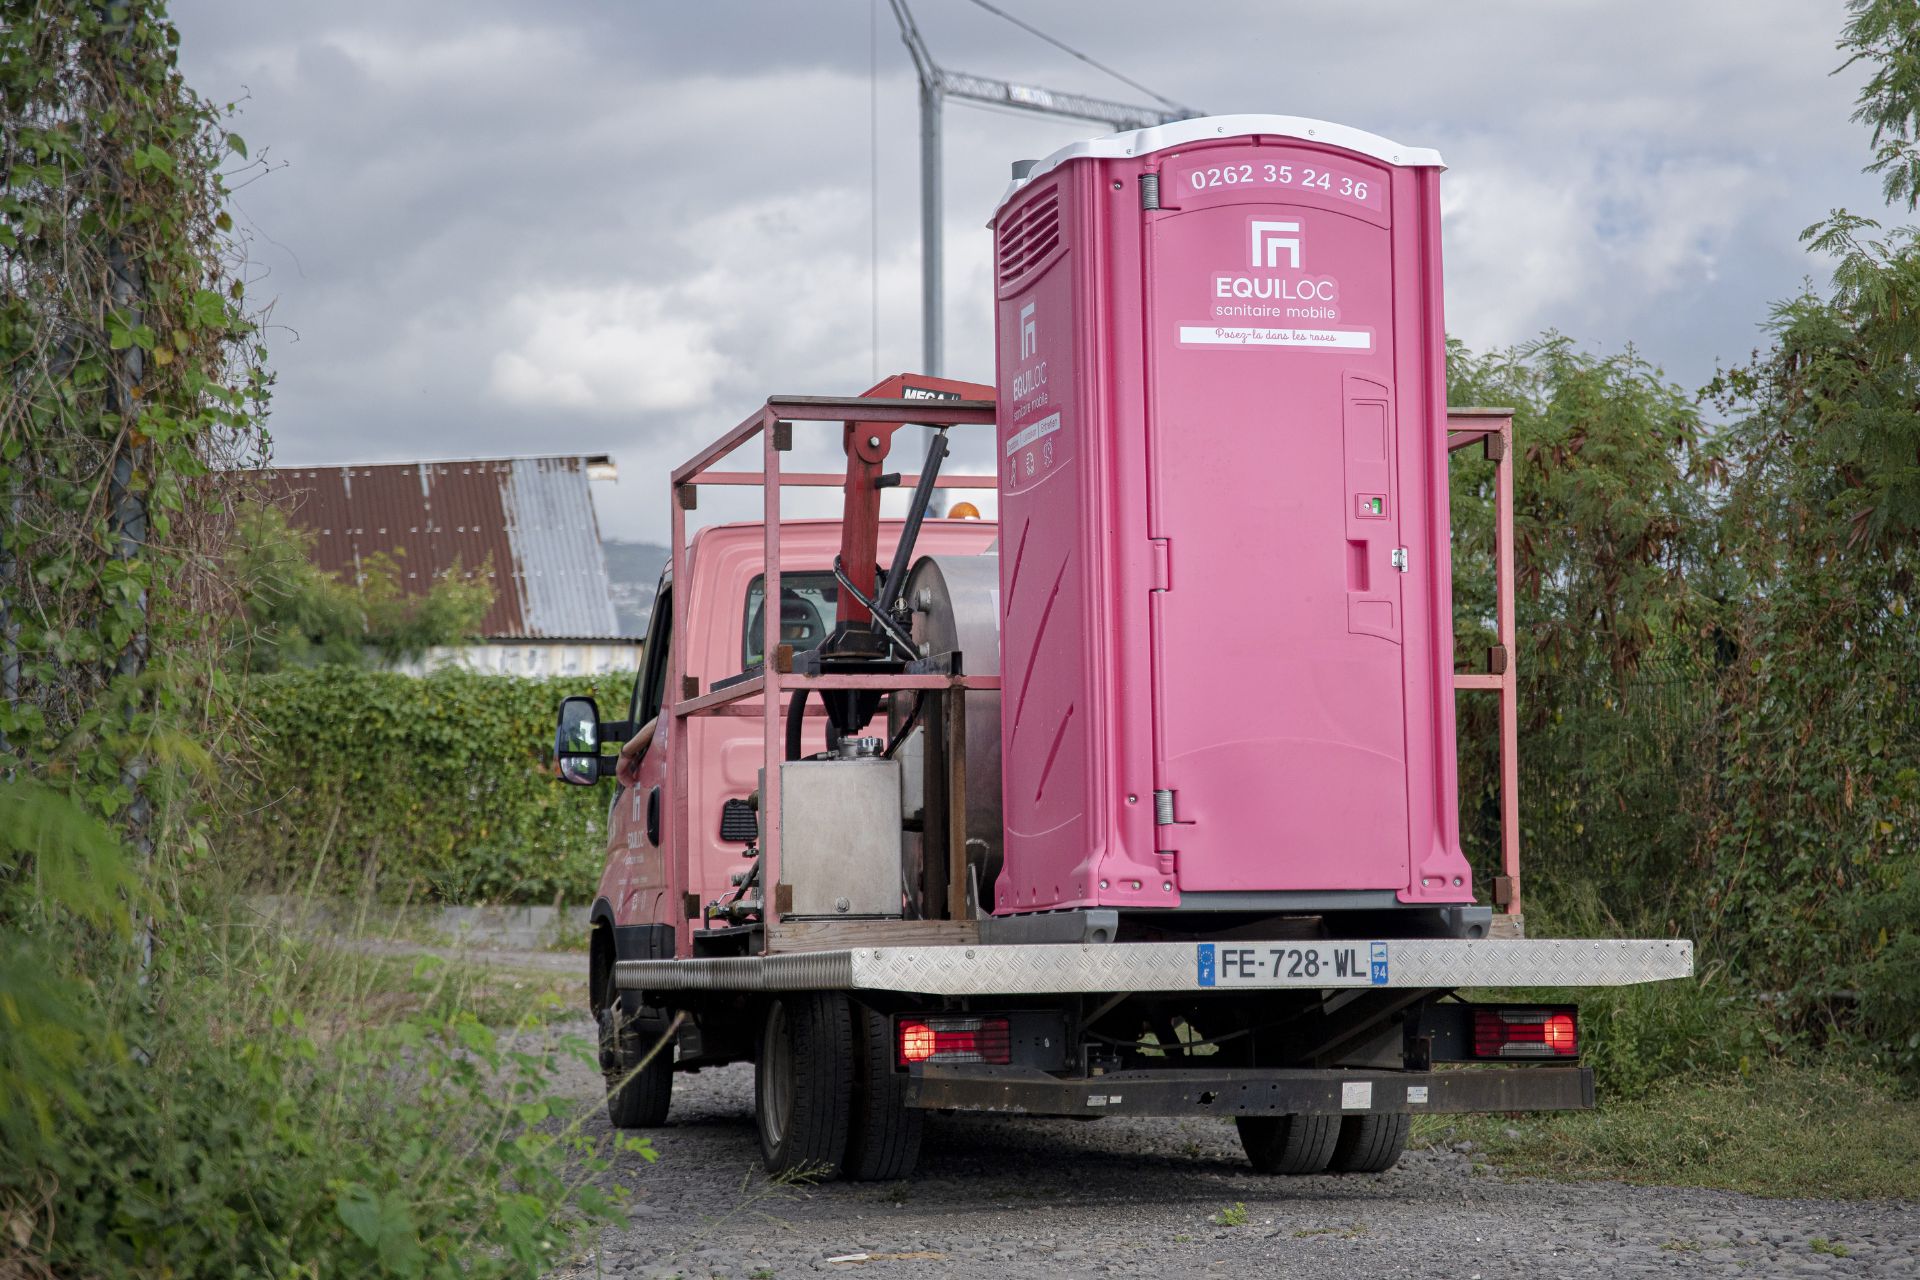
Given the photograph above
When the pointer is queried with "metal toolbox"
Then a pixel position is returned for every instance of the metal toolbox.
(840, 837)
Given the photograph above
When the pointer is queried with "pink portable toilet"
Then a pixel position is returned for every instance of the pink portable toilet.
(1225, 595)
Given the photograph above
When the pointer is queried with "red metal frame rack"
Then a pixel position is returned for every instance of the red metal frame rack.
(1493, 429)
(773, 423)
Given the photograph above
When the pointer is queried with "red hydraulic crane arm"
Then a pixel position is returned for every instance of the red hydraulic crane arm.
(867, 444)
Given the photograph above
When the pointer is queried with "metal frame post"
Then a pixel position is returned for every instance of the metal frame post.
(953, 722)
(773, 757)
(685, 494)
(1509, 676)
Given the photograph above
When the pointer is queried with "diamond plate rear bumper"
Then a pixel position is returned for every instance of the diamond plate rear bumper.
(1165, 966)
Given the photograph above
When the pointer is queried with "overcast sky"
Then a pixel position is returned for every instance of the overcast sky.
(504, 228)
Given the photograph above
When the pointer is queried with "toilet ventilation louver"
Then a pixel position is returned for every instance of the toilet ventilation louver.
(1032, 234)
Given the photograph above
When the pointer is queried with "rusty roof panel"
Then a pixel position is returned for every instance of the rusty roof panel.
(527, 522)
(470, 529)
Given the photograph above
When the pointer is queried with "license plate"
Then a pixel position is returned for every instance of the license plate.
(1292, 964)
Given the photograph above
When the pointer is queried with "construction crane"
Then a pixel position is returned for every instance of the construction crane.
(938, 84)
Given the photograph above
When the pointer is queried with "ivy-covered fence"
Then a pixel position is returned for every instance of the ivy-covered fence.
(439, 786)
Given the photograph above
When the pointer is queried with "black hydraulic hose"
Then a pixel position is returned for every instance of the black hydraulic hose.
(889, 593)
(796, 721)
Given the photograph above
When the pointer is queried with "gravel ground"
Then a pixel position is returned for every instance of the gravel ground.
(997, 1197)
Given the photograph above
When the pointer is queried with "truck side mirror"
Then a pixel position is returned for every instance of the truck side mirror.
(576, 742)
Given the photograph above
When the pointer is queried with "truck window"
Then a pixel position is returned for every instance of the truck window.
(650, 689)
(808, 602)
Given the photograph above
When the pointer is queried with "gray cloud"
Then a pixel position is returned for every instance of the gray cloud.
(505, 228)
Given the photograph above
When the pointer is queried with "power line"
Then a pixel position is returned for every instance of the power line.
(1068, 49)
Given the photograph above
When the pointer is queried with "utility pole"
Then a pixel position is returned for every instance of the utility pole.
(938, 84)
(933, 296)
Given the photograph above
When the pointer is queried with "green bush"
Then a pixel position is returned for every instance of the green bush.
(440, 785)
(1635, 1037)
(298, 615)
(1715, 654)
(242, 1109)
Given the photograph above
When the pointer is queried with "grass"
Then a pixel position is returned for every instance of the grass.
(1234, 1215)
(346, 986)
(1828, 1131)
(328, 1111)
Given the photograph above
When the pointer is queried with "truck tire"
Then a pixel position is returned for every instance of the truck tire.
(803, 1082)
(883, 1137)
(1370, 1144)
(635, 1100)
(1289, 1144)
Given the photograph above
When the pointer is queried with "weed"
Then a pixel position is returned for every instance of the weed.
(1234, 1215)
(1832, 1248)
(365, 1119)
(754, 1190)
(1831, 1130)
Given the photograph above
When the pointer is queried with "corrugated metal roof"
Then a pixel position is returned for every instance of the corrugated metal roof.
(564, 570)
(527, 522)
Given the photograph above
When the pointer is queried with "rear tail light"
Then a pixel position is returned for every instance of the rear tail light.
(1525, 1033)
(947, 1039)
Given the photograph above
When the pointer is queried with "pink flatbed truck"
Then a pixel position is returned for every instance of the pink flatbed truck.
(1141, 799)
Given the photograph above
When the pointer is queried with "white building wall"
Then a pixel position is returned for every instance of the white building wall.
(530, 658)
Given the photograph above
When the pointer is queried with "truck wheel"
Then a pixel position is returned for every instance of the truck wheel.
(1289, 1144)
(1370, 1144)
(803, 1082)
(635, 1100)
(883, 1137)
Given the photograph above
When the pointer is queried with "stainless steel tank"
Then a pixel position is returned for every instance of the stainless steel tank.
(956, 609)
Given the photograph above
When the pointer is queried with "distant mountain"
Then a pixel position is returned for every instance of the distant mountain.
(633, 573)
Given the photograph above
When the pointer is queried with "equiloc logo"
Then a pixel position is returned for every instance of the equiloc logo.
(1271, 239)
(1029, 336)
(1276, 247)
